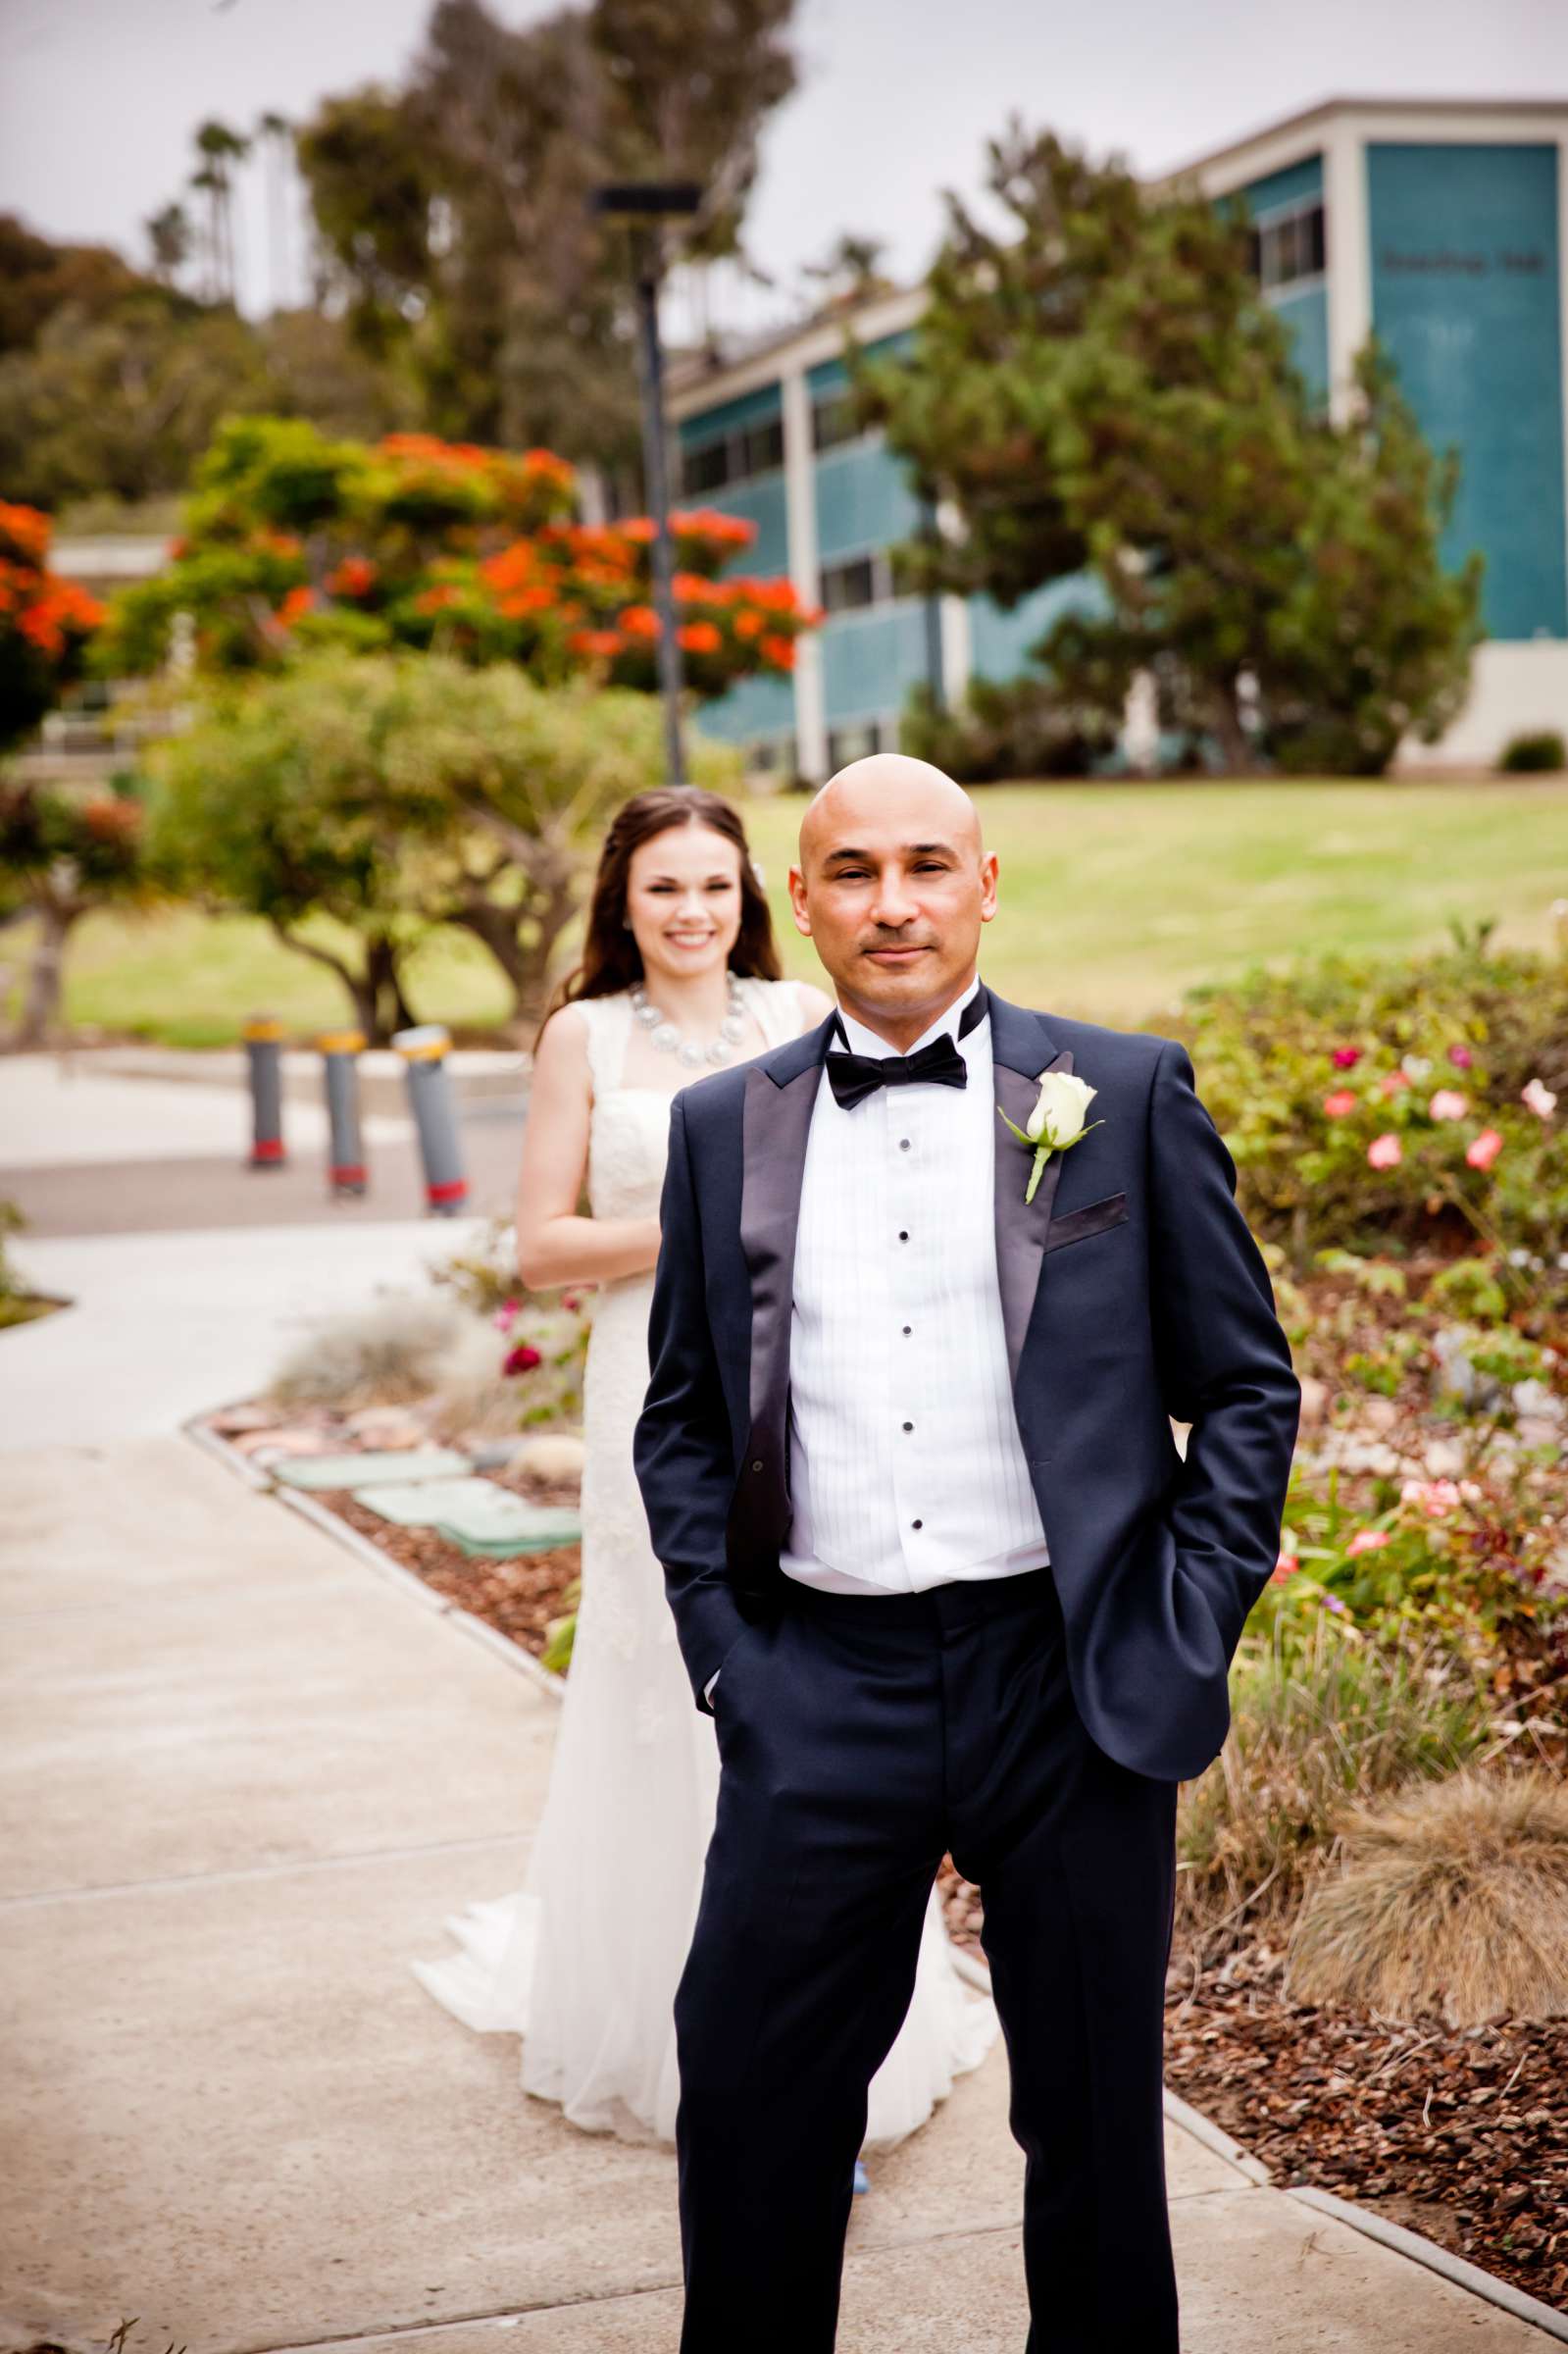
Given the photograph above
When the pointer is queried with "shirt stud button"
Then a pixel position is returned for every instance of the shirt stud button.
(909, 1426)
(916, 1524)
(757, 1465)
(903, 1143)
(909, 1328)
(903, 1234)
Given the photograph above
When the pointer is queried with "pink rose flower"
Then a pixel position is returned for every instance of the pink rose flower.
(1340, 1104)
(1285, 1566)
(521, 1359)
(1386, 1151)
(1461, 1057)
(1394, 1081)
(1537, 1096)
(506, 1316)
(1346, 1058)
(1448, 1105)
(570, 1301)
(1437, 1497)
(1484, 1150)
(1367, 1540)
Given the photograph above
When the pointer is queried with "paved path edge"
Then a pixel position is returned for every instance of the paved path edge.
(1436, 2259)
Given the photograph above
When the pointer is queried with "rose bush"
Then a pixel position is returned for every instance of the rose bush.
(1375, 1102)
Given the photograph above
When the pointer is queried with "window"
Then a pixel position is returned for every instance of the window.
(1287, 246)
(732, 457)
(705, 466)
(855, 582)
(762, 449)
(833, 420)
(771, 757)
(860, 738)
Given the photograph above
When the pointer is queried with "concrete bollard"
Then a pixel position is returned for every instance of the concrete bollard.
(340, 1052)
(264, 1053)
(434, 1108)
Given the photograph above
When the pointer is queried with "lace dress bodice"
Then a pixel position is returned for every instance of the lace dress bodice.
(630, 1128)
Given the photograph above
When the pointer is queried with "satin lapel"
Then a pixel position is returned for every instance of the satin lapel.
(1020, 1225)
(776, 1124)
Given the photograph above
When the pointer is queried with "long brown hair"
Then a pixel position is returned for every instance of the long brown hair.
(610, 957)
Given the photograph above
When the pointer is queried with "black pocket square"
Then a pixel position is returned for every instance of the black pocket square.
(1079, 1224)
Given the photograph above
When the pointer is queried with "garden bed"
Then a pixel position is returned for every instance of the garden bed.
(519, 1598)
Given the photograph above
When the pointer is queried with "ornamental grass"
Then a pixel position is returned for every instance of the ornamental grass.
(1317, 1724)
(1448, 1897)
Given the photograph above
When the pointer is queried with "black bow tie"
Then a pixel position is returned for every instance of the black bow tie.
(852, 1077)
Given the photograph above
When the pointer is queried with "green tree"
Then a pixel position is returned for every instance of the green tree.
(393, 793)
(455, 210)
(1099, 384)
(62, 855)
(124, 402)
(40, 278)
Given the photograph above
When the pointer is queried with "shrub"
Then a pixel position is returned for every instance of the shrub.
(1313, 1724)
(1021, 726)
(388, 1353)
(1541, 752)
(477, 1376)
(1446, 1557)
(1450, 1897)
(1373, 1103)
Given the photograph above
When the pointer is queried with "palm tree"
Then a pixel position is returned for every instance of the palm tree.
(170, 236)
(220, 149)
(276, 134)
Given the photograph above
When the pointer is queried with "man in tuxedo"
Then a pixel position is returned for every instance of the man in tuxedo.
(940, 1572)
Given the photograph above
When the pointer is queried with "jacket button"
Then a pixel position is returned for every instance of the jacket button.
(757, 1465)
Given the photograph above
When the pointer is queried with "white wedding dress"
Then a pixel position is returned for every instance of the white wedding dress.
(583, 1961)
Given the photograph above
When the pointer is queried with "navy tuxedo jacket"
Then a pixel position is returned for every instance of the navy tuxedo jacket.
(1130, 1291)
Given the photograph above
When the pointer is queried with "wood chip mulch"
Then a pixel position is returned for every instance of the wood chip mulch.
(518, 1598)
(1458, 2134)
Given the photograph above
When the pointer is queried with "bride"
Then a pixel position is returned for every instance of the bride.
(680, 975)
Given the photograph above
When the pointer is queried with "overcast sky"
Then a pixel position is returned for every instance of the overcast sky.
(98, 98)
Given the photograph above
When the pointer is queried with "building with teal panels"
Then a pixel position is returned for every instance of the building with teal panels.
(1440, 226)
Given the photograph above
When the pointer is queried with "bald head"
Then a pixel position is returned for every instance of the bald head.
(892, 887)
(889, 786)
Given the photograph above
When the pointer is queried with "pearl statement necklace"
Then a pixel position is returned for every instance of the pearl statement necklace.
(667, 1038)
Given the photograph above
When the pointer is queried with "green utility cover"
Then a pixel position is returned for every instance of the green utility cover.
(475, 1516)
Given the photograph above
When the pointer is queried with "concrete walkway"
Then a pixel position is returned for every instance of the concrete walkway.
(245, 1780)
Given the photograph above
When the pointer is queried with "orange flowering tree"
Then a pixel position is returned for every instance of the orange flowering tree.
(45, 624)
(294, 541)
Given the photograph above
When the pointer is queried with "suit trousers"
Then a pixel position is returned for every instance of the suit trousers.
(861, 1737)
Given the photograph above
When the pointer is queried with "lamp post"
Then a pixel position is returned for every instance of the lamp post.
(644, 205)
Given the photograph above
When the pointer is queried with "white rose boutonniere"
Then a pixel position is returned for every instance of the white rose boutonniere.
(1056, 1121)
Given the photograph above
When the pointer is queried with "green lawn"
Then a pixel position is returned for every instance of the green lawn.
(1114, 898)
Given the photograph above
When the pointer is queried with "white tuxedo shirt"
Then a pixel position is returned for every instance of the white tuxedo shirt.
(906, 1470)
